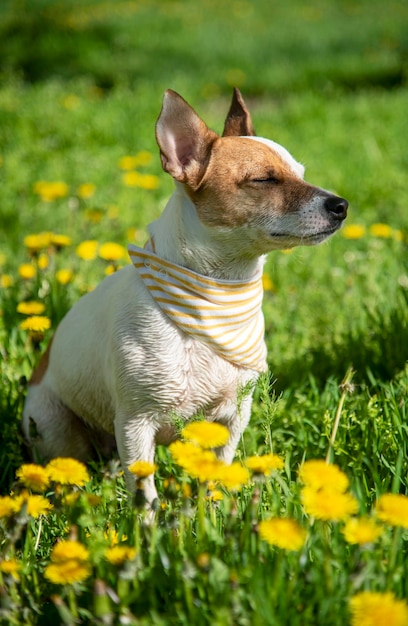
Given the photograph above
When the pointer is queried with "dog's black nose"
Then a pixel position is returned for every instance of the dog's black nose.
(336, 206)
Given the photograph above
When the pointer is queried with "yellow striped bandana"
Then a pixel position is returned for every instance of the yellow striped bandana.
(225, 314)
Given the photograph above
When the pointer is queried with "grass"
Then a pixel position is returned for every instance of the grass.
(81, 89)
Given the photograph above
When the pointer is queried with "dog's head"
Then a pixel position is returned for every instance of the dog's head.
(240, 181)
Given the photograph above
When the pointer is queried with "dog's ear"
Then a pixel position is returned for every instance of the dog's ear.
(238, 122)
(184, 140)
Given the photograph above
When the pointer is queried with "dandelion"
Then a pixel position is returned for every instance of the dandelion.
(361, 530)
(204, 466)
(264, 464)
(67, 550)
(130, 162)
(60, 241)
(36, 505)
(36, 325)
(141, 469)
(67, 471)
(31, 308)
(267, 283)
(43, 261)
(370, 608)
(27, 271)
(34, 477)
(353, 231)
(143, 181)
(8, 506)
(383, 231)
(392, 508)
(233, 476)
(87, 250)
(49, 191)
(283, 533)
(36, 242)
(86, 190)
(111, 251)
(64, 276)
(69, 563)
(328, 504)
(206, 434)
(318, 474)
(117, 555)
(10, 567)
(6, 281)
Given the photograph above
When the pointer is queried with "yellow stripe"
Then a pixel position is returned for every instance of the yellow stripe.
(236, 287)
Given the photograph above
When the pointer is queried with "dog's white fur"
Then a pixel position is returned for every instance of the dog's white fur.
(117, 365)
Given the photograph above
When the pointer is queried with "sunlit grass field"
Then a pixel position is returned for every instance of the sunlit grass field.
(277, 539)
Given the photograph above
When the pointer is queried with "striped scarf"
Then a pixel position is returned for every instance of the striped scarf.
(225, 314)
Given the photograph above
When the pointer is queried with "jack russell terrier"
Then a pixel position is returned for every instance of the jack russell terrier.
(179, 331)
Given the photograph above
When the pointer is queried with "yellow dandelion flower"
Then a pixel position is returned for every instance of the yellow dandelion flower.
(31, 308)
(111, 251)
(49, 191)
(383, 231)
(70, 498)
(27, 271)
(361, 530)
(215, 495)
(353, 231)
(6, 281)
(141, 469)
(64, 276)
(328, 504)
(36, 242)
(283, 533)
(267, 283)
(87, 250)
(233, 476)
(131, 162)
(204, 466)
(67, 573)
(117, 555)
(36, 325)
(10, 567)
(392, 508)
(128, 162)
(8, 506)
(143, 181)
(43, 261)
(69, 550)
(183, 451)
(264, 464)
(36, 505)
(33, 476)
(110, 269)
(67, 471)
(86, 190)
(318, 474)
(370, 608)
(206, 434)
(60, 241)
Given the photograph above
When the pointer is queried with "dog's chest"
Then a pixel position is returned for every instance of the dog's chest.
(184, 376)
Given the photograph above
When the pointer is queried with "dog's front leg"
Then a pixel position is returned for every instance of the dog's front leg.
(236, 424)
(135, 439)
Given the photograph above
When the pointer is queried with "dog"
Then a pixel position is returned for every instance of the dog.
(180, 330)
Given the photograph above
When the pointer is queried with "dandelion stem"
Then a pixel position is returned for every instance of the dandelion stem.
(346, 388)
